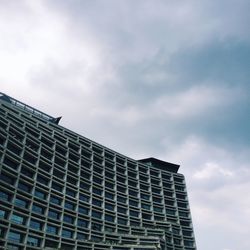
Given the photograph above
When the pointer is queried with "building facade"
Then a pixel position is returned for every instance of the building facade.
(60, 190)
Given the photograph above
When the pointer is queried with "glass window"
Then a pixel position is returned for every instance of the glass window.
(121, 199)
(31, 241)
(121, 210)
(96, 202)
(16, 237)
(17, 219)
(2, 213)
(69, 205)
(57, 187)
(133, 193)
(133, 203)
(51, 229)
(133, 213)
(145, 206)
(83, 197)
(82, 223)
(55, 200)
(35, 224)
(53, 214)
(97, 191)
(145, 196)
(109, 218)
(24, 187)
(158, 200)
(40, 194)
(96, 214)
(122, 221)
(96, 226)
(21, 203)
(97, 180)
(109, 206)
(70, 192)
(37, 209)
(67, 233)
(83, 210)
(109, 195)
(68, 219)
(27, 172)
(7, 179)
(4, 196)
(81, 236)
(146, 216)
(157, 209)
(42, 180)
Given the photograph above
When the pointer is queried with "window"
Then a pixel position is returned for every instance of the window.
(37, 209)
(157, 209)
(146, 216)
(42, 180)
(97, 227)
(51, 229)
(53, 214)
(57, 187)
(7, 179)
(145, 196)
(96, 202)
(84, 186)
(133, 193)
(2, 213)
(81, 236)
(40, 194)
(82, 223)
(121, 199)
(133, 213)
(158, 200)
(109, 196)
(97, 191)
(69, 205)
(4, 196)
(17, 219)
(67, 233)
(68, 219)
(109, 218)
(16, 237)
(31, 241)
(21, 203)
(97, 180)
(55, 200)
(122, 221)
(145, 206)
(109, 206)
(133, 203)
(96, 214)
(83, 210)
(24, 187)
(27, 172)
(35, 224)
(70, 192)
(121, 210)
(83, 197)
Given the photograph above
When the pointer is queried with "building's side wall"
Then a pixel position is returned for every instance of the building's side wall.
(61, 190)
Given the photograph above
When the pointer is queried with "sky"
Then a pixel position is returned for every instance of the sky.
(146, 78)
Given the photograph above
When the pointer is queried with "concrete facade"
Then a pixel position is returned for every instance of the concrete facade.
(60, 190)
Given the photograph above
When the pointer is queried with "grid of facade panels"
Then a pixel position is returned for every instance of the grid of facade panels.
(60, 190)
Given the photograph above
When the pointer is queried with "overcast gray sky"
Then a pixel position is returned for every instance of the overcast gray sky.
(168, 79)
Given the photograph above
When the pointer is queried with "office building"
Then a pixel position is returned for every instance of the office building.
(60, 190)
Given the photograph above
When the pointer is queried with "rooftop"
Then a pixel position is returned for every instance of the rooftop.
(163, 165)
(28, 108)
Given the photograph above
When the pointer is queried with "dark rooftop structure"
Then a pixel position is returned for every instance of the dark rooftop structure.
(163, 165)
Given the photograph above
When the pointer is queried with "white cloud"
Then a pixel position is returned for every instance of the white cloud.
(211, 170)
